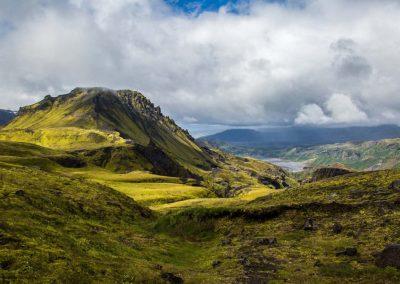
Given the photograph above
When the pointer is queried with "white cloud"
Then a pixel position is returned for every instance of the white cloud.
(311, 114)
(343, 110)
(273, 64)
(340, 108)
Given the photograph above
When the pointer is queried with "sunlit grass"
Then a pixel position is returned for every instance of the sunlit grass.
(249, 195)
(158, 193)
(100, 174)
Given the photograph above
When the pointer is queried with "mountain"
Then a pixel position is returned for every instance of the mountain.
(109, 199)
(6, 116)
(370, 155)
(92, 118)
(123, 131)
(283, 137)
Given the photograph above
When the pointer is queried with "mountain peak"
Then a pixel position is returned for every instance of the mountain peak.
(118, 116)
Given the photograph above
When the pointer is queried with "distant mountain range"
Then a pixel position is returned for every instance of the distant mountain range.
(370, 155)
(285, 137)
(6, 116)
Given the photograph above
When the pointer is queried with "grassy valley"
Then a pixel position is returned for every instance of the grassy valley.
(126, 196)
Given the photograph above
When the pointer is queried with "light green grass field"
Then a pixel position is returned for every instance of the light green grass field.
(251, 194)
(145, 188)
(158, 193)
(165, 193)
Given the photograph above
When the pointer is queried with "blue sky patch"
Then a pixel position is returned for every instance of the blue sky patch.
(199, 6)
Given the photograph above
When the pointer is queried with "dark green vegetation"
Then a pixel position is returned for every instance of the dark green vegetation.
(6, 116)
(59, 228)
(108, 204)
(323, 232)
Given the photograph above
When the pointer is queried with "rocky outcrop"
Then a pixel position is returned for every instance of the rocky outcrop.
(329, 172)
(136, 157)
(390, 256)
(395, 185)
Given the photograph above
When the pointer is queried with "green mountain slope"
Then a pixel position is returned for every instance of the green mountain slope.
(122, 131)
(96, 117)
(371, 155)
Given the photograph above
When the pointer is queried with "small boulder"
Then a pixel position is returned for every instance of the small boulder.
(348, 252)
(266, 241)
(6, 264)
(390, 256)
(318, 263)
(171, 278)
(337, 228)
(309, 225)
(216, 263)
(244, 261)
(226, 242)
(20, 192)
(395, 185)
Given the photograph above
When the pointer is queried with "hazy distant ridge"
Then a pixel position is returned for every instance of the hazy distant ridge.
(283, 137)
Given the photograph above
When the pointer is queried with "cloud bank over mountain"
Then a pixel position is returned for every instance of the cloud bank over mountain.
(322, 62)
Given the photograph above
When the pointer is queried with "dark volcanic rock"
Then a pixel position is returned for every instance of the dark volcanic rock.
(266, 241)
(390, 256)
(329, 172)
(226, 242)
(7, 240)
(348, 252)
(20, 192)
(6, 264)
(337, 228)
(68, 161)
(318, 263)
(171, 278)
(395, 185)
(310, 225)
(269, 181)
(216, 263)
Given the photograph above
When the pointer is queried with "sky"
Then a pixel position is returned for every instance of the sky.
(212, 65)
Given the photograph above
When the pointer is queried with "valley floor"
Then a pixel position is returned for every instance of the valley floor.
(91, 225)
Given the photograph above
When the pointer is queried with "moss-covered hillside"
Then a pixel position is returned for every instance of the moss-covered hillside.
(123, 131)
(70, 222)
(98, 186)
(97, 117)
